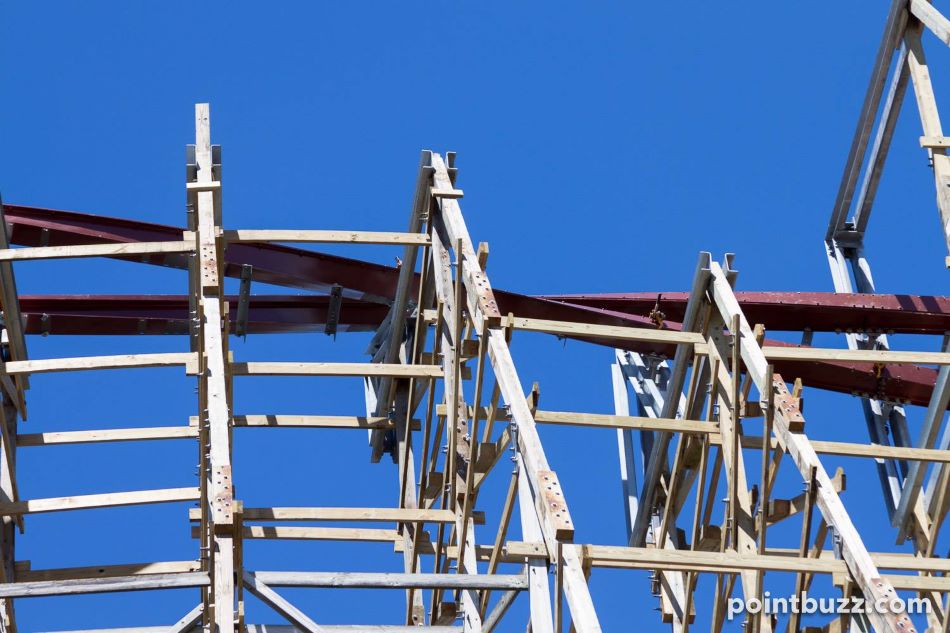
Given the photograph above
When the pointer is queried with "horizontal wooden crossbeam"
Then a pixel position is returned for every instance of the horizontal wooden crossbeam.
(385, 515)
(106, 500)
(25, 574)
(294, 533)
(107, 435)
(592, 330)
(335, 369)
(774, 353)
(390, 580)
(121, 361)
(102, 585)
(601, 420)
(317, 421)
(325, 237)
(117, 249)
(616, 557)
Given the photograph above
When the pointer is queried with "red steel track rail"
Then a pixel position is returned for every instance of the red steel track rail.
(368, 288)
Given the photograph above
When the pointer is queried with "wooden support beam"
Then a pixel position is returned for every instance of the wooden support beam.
(353, 580)
(592, 330)
(855, 355)
(398, 312)
(799, 448)
(214, 396)
(86, 363)
(25, 574)
(317, 421)
(486, 319)
(479, 296)
(396, 370)
(697, 427)
(893, 29)
(927, 107)
(325, 237)
(107, 500)
(656, 463)
(932, 19)
(272, 532)
(8, 493)
(280, 604)
(102, 585)
(113, 249)
(106, 435)
(13, 322)
(781, 509)
(446, 193)
(882, 142)
(935, 142)
(773, 559)
(385, 515)
(203, 186)
(933, 418)
(189, 621)
(498, 612)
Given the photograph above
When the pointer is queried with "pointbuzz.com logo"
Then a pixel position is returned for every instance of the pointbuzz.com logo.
(807, 605)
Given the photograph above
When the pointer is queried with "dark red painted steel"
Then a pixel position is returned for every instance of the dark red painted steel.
(159, 314)
(168, 314)
(273, 264)
(797, 311)
(375, 283)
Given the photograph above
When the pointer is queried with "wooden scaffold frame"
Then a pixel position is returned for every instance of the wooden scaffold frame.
(444, 398)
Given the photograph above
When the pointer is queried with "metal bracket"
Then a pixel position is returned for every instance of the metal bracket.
(244, 300)
(333, 310)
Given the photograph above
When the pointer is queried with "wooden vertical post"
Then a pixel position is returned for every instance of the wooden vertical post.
(213, 388)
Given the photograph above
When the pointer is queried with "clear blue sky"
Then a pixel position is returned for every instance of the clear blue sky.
(601, 146)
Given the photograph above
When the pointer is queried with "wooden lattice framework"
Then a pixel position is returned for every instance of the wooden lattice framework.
(442, 376)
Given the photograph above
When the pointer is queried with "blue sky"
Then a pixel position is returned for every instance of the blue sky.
(601, 146)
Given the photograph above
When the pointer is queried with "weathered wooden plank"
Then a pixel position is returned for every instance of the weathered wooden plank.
(85, 363)
(314, 421)
(353, 580)
(395, 324)
(855, 355)
(892, 32)
(386, 515)
(539, 590)
(860, 564)
(218, 504)
(607, 421)
(593, 330)
(106, 500)
(480, 298)
(932, 19)
(609, 556)
(326, 237)
(113, 249)
(280, 604)
(103, 585)
(852, 449)
(929, 119)
(106, 435)
(395, 370)
(189, 621)
(273, 532)
(498, 612)
(106, 571)
(13, 322)
(935, 142)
